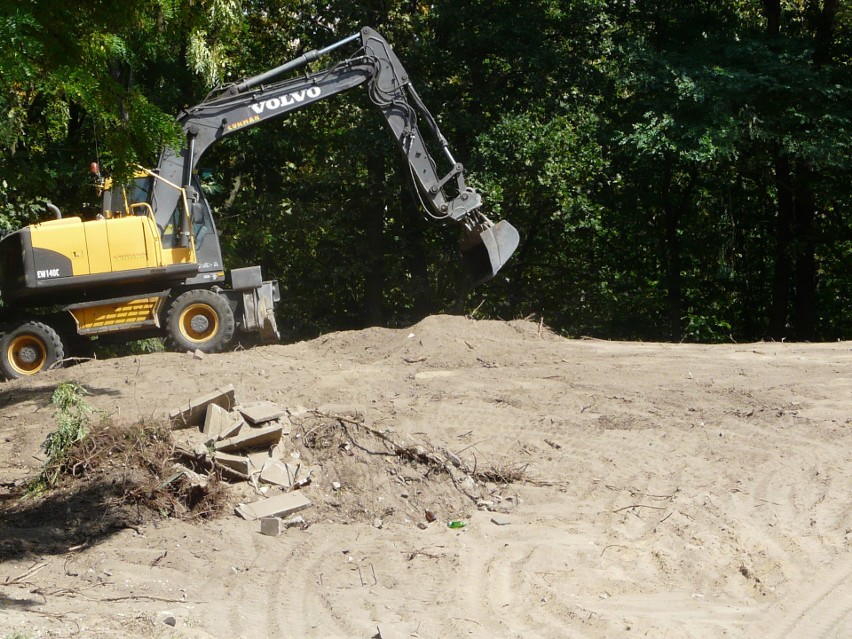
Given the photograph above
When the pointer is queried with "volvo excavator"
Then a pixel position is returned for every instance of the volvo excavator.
(151, 263)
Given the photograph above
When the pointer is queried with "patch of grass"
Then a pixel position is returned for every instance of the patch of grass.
(133, 347)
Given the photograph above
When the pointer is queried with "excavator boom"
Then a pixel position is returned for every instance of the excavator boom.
(272, 94)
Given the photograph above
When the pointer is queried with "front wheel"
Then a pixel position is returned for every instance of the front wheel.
(200, 320)
(28, 349)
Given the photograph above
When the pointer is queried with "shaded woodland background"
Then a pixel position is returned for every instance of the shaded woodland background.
(677, 171)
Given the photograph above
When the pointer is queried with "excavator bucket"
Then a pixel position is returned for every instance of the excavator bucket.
(486, 251)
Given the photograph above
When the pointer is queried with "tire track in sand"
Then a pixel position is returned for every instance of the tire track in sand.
(509, 593)
(817, 609)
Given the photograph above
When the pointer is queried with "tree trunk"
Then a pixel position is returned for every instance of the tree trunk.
(805, 277)
(783, 241)
(373, 221)
(413, 226)
(674, 294)
(825, 32)
(673, 208)
(772, 10)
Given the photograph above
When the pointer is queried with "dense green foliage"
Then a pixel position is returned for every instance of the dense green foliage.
(677, 171)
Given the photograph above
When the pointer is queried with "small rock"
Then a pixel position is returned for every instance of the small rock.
(298, 411)
(499, 520)
(422, 525)
(298, 520)
(378, 523)
(167, 618)
(335, 485)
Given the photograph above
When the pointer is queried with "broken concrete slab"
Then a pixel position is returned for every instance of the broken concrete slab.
(250, 438)
(236, 463)
(216, 420)
(258, 460)
(262, 412)
(500, 520)
(193, 414)
(234, 427)
(279, 473)
(279, 506)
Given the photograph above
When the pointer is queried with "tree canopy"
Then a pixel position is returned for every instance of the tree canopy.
(676, 171)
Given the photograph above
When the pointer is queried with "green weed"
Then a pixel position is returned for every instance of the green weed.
(74, 414)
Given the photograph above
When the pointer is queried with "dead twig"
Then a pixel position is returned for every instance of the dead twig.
(618, 510)
(414, 553)
(611, 546)
(32, 570)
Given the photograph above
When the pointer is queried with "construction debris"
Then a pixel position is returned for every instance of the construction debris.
(194, 413)
(274, 526)
(236, 463)
(282, 474)
(263, 412)
(241, 444)
(251, 438)
(216, 420)
(271, 526)
(278, 506)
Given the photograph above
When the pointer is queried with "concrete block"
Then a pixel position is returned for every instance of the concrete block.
(237, 463)
(500, 520)
(279, 506)
(250, 438)
(193, 414)
(272, 526)
(216, 420)
(262, 412)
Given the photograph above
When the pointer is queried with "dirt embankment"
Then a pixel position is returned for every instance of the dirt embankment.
(666, 490)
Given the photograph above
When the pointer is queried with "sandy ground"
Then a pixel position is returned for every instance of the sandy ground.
(669, 491)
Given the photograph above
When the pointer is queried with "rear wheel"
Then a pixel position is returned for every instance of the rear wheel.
(28, 349)
(200, 320)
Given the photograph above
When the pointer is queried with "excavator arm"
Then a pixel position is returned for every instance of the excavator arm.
(250, 102)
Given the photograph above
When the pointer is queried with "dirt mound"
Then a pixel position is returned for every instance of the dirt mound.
(666, 490)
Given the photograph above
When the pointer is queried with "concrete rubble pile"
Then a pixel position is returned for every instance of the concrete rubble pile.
(244, 443)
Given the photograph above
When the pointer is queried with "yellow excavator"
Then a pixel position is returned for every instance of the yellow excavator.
(151, 263)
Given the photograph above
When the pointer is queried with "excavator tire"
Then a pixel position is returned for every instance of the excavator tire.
(200, 320)
(29, 348)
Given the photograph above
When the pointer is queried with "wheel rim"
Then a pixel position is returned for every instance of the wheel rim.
(198, 323)
(27, 354)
